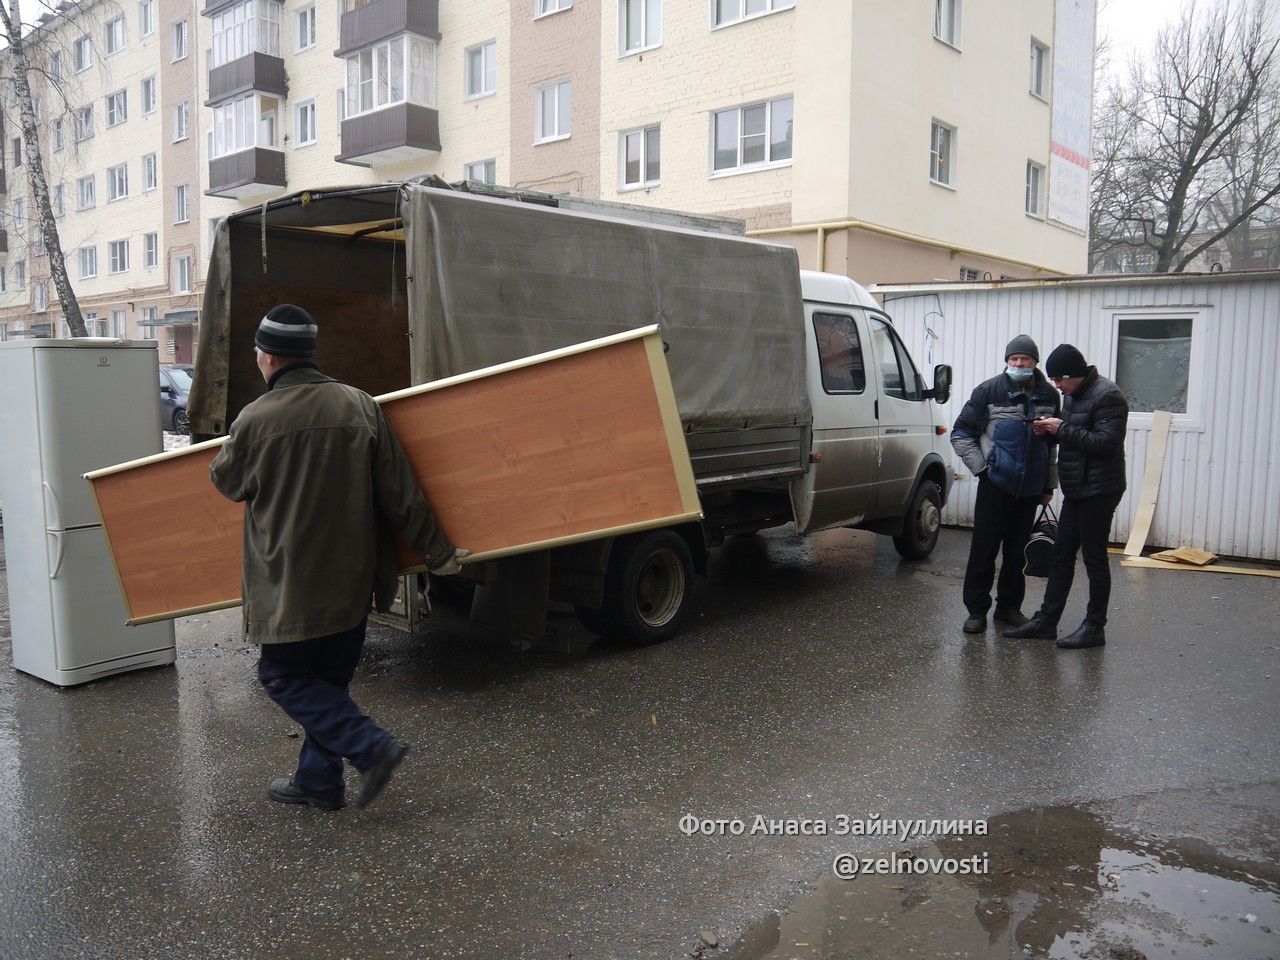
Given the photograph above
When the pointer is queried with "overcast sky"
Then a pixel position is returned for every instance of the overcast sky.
(1132, 24)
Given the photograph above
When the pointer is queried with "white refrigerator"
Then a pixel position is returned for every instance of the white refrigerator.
(68, 407)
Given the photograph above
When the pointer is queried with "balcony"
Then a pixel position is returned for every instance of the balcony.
(367, 23)
(401, 132)
(248, 174)
(254, 71)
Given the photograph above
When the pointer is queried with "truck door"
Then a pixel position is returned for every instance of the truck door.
(906, 430)
(844, 425)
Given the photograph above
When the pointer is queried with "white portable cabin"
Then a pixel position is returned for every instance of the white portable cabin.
(1204, 346)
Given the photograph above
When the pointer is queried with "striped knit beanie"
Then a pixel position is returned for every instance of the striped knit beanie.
(287, 331)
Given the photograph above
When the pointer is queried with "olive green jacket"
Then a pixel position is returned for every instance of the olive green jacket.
(323, 479)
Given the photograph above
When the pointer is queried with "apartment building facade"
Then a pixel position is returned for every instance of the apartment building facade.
(890, 141)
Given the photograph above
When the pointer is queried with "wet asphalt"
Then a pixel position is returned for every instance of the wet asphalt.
(538, 813)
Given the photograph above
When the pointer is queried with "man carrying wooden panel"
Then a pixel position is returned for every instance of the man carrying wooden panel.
(321, 476)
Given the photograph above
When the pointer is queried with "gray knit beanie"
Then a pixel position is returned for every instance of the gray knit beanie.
(1022, 344)
(287, 331)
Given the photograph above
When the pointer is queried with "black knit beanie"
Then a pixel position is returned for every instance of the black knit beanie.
(287, 331)
(1066, 361)
(1022, 344)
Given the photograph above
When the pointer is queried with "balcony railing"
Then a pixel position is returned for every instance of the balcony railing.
(254, 71)
(249, 173)
(401, 132)
(366, 23)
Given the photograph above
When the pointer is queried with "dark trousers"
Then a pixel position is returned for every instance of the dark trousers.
(1083, 528)
(309, 681)
(999, 521)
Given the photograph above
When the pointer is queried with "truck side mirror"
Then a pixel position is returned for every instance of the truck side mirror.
(941, 391)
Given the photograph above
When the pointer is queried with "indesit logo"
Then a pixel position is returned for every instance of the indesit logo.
(104, 362)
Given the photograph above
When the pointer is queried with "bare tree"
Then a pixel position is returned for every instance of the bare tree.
(11, 16)
(1170, 139)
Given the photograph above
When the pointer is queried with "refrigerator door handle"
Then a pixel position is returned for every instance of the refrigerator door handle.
(53, 506)
(57, 563)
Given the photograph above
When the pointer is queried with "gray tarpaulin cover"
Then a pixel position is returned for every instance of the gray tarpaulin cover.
(495, 280)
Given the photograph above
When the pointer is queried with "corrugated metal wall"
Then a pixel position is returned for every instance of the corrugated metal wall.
(1219, 490)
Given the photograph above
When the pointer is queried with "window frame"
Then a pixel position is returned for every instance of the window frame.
(558, 6)
(644, 183)
(146, 18)
(85, 114)
(298, 45)
(900, 353)
(82, 54)
(1036, 212)
(151, 182)
(862, 353)
(768, 163)
(121, 98)
(467, 170)
(179, 42)
(121, 168)
(148, 104)
(771, 7)
(181, 267)
(538, 117)
(181, 122)
(956, 9)
(108, 39)
(298, 109)
(1198, 375)
(150, 250)
(86, 254)
(1038, 79)
(949, 161)
(485, 90)
(182, 203)
(114, 247)
(647, 44)
(353, 70)
(91, 180)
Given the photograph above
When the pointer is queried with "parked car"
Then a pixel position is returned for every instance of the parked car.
(175, 387)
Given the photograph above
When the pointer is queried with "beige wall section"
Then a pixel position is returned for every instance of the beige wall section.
(181, 160)
(695, 71)
(557, 46)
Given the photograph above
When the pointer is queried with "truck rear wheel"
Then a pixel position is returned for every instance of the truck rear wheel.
(923, 523)
(647, 588)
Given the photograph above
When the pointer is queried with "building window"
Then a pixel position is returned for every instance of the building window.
(542, 7)
(37, 241)
(117, 107)
(4, 285)
(117, 324)
(82, 54)
(150, 249)
(640, 157)
(180, 204)
(483, 171)
(304, 123)
(149, 95)
(146, 18)
(1039, 63)
(382, 75)
(20, 275)
(180, 121)
(114, 31)
(36, 111)
(59, 202)
(248, 27)
(118, 255)
(553, 107)
(86, 197)
(731, 11)
(213, 230)
(55, 65)
(305, 22)
(149, 172)
(482, 69)
(59, 135)
(117, 182)
(251, 121)
(19, 214)
(1153, 362)
(946, 21)
(639, 25)
(148, 322)
(17, 152)
(84, 123)
(180, 40)
(88, 262)
(1035, 189)
(942, 153)
(753, 136)
(181, 274)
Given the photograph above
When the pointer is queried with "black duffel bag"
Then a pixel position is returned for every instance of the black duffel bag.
(1039, 548)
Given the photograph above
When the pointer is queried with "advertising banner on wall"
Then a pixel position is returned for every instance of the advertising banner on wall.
(1072, 110)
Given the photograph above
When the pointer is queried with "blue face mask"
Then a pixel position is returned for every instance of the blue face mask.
(1020, 374)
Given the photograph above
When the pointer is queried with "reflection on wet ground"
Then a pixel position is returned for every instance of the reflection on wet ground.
(1062, 883)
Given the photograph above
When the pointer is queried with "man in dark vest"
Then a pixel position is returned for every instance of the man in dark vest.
(1091, 470)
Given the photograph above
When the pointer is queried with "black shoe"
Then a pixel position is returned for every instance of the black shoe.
(376, 777)
(1010, 618)
(282, 790)
(1086, 635)
(975, 624)
(1033, 629)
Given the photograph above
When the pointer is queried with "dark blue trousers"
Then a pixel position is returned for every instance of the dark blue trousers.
(309, 680)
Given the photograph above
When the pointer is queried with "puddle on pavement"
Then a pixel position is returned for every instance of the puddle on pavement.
(1060, 884)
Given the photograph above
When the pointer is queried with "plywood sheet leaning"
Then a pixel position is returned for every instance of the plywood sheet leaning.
(1156, 447)
(566, 446)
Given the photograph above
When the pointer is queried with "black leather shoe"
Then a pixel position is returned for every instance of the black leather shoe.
(975, 625)
(375, 778)
(282, 790)
(1010, 618)
(1086, 635)
(1033, 629)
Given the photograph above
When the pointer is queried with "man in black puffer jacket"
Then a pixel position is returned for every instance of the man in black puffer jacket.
(1092, 475)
